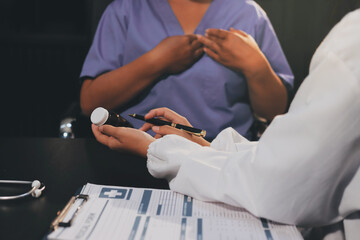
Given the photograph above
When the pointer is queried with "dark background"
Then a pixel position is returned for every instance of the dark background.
(44, 42)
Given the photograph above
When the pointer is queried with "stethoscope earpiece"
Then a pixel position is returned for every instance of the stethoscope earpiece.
(36, 184)
(36, 193)
(36, 189)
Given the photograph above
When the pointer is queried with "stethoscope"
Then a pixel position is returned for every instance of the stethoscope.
(35, 191)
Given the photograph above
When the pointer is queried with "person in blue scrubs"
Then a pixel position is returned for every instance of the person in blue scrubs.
(180, 54)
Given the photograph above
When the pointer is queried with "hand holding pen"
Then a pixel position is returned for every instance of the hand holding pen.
(160, 122)
(172, 117)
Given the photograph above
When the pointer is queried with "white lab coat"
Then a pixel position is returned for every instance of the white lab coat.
(305, 168)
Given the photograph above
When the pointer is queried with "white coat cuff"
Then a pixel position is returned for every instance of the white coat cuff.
(228, 140)
(163, 155)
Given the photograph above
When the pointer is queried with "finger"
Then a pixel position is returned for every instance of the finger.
(191, 37)
(196, 44)
(157, 136)
(102, 138)
(218, 33)
(209, 43)
(156, 112)
(242, 33)
(216, 40)
(112, 131)
(146, 127)
(168, 115)
(212, 54)
(96, 132)
(165, 130)
(198, 53)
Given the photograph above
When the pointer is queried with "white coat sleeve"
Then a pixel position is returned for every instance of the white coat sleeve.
(302, 169)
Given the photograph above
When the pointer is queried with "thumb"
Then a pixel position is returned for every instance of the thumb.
(108, 130)
(146, 127)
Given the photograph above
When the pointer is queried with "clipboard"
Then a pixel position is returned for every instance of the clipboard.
(59, 220)
(116, 212)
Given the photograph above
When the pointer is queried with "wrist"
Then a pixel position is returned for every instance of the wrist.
(161, 64)
(257, 70)
(154, 63)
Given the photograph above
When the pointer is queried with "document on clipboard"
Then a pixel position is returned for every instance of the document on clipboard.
(113, 212)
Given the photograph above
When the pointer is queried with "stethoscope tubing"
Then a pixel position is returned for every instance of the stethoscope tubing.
(33, 189)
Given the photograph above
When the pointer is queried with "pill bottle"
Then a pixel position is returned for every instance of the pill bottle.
(101, 116)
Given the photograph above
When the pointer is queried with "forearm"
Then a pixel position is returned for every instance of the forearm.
(268, 95)
(115, 88)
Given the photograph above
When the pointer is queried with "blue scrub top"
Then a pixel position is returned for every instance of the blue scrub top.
(211, 96)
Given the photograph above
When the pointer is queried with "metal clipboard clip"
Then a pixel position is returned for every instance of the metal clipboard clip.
(58, 221)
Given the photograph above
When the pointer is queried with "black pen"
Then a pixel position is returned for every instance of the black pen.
(159, 122)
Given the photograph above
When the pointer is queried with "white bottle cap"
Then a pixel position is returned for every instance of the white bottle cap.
(99, 116)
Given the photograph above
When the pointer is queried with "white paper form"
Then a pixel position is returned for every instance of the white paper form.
(114, 212)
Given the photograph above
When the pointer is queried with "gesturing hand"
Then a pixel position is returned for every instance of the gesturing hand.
(169, 115)
(234, 49)
(178, 53)
(123, 139)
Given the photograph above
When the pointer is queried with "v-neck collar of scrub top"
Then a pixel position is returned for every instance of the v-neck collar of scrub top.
(173, 25)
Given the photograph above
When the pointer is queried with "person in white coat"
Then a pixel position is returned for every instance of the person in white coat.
(304, 170)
